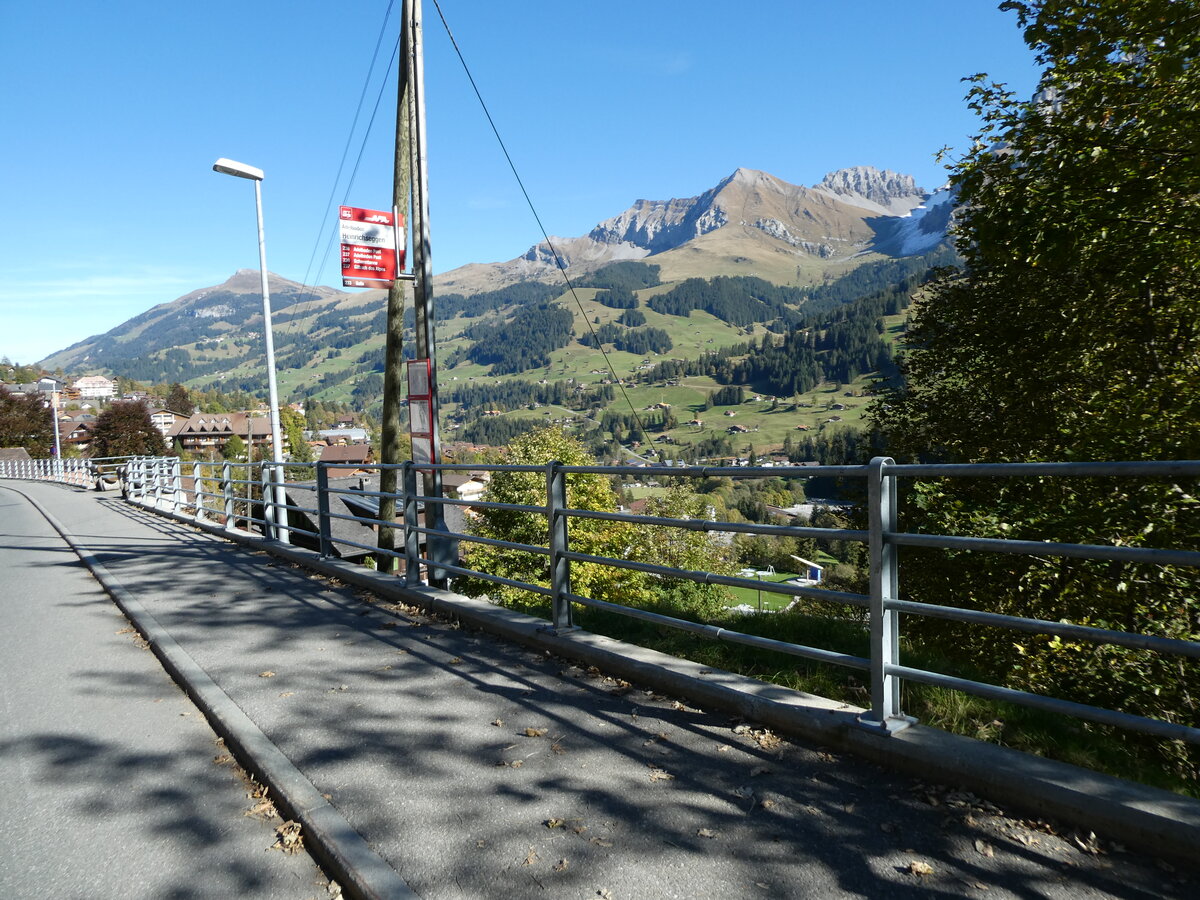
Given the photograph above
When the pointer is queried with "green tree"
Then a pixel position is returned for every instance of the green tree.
(179, 400)
(1072, 333)
(234, 449)
(292, 425)
(587, 535)
(26, 422)
(125, 429)
(682, 548)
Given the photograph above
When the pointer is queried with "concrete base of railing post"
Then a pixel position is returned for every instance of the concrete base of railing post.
(556, 632)
(890, 725)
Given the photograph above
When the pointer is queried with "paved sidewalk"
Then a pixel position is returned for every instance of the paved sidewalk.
(109, 783)
(479, 769)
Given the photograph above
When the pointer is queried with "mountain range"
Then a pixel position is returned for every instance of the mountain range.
(750, 224)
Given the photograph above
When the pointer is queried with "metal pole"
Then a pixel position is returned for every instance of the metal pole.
(560, 566)
(227, 494)
(57, 437)
(281, 532)
(885, 713)
(197, 491)
(323, 524)
(412, 539)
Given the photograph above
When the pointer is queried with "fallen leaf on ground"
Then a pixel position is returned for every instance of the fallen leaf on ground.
(263, 809)
(660, 775)
(601, 842)
(266, 674)
(984, 847)
(707, 833)
(920, 868)
(767, 740)
(535, 732)
(561, 865)
(555, 823)
(289, 839)
(457, 661)
(531, 857)
(499, 723)
(287, 693)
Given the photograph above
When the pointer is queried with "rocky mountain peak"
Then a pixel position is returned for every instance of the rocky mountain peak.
(888, 192)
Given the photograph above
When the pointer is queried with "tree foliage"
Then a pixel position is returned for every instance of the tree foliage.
(179, 400)
(675, 547)
(125, 429)
(529, 488)
(1073, 333)
(26, 422)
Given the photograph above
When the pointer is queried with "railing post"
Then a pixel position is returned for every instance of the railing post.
(227, 493)
(885, 714)
(197, 491)
(266, 478)
(323, 525)
(158, 471)
(412, 539)
(279, 495)
(176, 483)
(560, 566)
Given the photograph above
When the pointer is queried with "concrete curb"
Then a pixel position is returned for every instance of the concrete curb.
(1144, 818)
(341, 850)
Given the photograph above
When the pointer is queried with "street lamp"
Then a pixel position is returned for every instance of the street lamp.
(241, 170)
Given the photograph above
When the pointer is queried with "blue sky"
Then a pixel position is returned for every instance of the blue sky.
(114, 113)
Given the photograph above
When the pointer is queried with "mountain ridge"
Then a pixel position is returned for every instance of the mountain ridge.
(749, 223)
(839, 217)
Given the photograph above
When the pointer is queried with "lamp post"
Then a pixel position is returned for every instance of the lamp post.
(241, 170)
(58, 460)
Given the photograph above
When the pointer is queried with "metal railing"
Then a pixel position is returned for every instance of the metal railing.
(428, 547)
(101, 473)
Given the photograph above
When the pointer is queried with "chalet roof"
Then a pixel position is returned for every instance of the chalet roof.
(227, 424)
(359, 453)
(13, 454)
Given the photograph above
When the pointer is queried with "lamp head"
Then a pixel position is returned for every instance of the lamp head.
(240, 170)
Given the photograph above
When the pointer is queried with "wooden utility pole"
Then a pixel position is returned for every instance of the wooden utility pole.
(392, 451)
(422, 263)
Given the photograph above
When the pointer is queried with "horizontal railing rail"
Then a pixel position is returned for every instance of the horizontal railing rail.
(305, 511)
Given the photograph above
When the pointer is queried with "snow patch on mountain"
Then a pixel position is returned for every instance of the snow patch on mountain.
(926, 225)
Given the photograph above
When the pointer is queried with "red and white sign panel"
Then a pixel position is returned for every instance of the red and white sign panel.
(372, 247)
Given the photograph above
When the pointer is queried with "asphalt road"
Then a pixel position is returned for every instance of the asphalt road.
(479, 769)
(108, 785)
